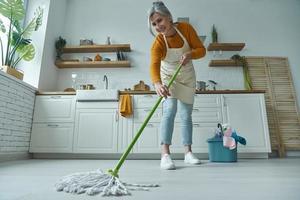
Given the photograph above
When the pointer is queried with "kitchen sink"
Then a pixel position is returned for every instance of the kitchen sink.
(97, 95)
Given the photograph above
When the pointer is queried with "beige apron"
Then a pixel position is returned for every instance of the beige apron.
(183, 88)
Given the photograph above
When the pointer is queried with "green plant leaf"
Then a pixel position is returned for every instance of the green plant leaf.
(27, 52)
(16, 37)
(34, 24)
(2, 27)
(12, 9)
(17, 26)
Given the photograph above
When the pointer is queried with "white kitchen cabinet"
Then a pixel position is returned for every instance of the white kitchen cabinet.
(52, 137)
(53, 122)
(247, 114)
(149, 141)
(125, 132)
(207, 113)
(96, 127)
(54, 108)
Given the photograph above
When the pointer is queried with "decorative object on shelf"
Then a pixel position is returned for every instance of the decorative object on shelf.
(87, 59)
(214, 34)
(86, 42)
(120, 55)
(225, 47)
(213, 84)
(201, 86)
(11, 71)
(87, 87)
(74, 76)
(69, 90)
(19, 45)
(106, 59)
(141, 86)
(59, 45)
(98, 57)
(183, 19)
(108, 40)
(247, 79)
(107, 63)
(202, 38)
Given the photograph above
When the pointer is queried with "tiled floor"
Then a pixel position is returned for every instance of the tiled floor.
(248, 179)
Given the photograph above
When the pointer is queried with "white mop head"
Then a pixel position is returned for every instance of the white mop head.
(96, 182)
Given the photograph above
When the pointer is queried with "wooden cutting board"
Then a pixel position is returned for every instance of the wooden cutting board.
(141, 86)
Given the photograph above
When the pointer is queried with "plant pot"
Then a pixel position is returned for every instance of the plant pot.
(12, 71)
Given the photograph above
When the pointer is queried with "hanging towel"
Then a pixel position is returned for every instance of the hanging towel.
(125, 105)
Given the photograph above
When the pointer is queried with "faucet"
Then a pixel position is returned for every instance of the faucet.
(106, 81)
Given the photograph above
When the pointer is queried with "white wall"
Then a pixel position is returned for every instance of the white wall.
(49, 72)
(41, 71)
(268, 27)
(32, 69)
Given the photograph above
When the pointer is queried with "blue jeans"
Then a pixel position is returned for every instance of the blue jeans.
(167, 122)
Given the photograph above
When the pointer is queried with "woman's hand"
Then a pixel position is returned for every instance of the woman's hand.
(161, 89)
(185, 58)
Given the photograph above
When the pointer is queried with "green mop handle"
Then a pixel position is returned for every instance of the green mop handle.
(125, 154)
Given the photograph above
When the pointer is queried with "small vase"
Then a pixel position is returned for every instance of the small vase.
(12, 72)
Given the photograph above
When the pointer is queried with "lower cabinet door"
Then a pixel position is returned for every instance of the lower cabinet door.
(246, 113)
(149, 141)
(96, 131)
(201, 132)
(51, 138)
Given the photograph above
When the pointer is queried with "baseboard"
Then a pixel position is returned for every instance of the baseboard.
(136, 156)
(14, 156)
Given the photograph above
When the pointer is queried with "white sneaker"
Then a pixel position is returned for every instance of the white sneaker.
(166, 162)
(190, 158)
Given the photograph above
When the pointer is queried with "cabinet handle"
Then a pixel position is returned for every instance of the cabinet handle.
(150, 125)
(53, 125)
(196, 125)
(117, 116)
(55, 97)
(196, 110)
(147, 110)
(224, 101)
(148, 96)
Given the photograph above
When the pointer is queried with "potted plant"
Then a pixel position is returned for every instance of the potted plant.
(15, 42)
(247, 80)
(59, 45)
(214, 34)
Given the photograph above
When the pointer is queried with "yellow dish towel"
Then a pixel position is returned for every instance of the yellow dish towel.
(125, 105)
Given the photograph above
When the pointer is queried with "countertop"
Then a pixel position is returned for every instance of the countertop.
(132, 92)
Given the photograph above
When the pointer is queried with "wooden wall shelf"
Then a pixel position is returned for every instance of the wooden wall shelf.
(225, 63)
(97, 48)
(93, 64)
(225, 46)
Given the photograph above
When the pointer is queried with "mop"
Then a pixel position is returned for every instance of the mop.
(109, 184)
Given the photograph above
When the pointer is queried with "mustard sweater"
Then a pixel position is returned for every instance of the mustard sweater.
(159, 49)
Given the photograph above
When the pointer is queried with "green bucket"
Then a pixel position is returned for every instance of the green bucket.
(218, 153)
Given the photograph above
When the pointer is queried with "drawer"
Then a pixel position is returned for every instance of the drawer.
(52, 137)
(200, 114)
(56, 108)
(207, 100)
(207, 114)
(95, 105)
(141, 114)
(145, 101)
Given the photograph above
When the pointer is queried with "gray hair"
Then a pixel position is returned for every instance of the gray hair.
(158, 7)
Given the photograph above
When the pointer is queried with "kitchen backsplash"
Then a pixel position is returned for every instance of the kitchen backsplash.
(226, 77)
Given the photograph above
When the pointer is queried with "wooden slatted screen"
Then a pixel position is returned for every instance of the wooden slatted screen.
(273, 75)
